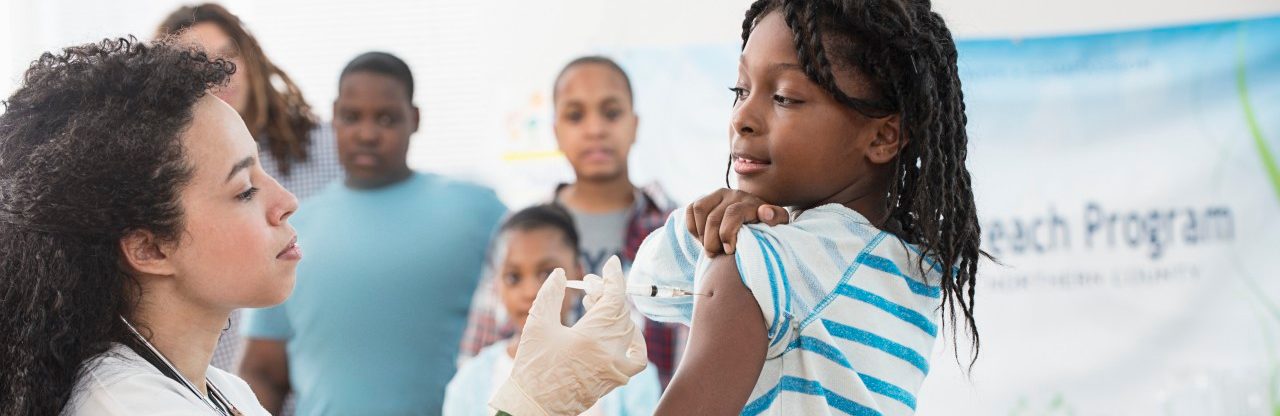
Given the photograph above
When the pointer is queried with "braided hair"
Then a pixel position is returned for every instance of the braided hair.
(906, 54)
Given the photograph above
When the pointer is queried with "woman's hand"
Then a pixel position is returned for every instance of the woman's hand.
(716, 218)
(564, 370)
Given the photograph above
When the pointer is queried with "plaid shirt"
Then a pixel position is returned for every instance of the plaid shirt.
(487, 324)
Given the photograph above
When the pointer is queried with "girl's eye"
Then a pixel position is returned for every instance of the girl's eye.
(247, 195)
(739, 94)
(781, 100)
(573, 117)
(510, 279)
(612, 114)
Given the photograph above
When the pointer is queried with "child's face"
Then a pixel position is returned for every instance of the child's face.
(373, 119)
(531, 255)
(595, 125)
(792, 143)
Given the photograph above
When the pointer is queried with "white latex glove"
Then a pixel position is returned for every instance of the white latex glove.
(564, 370)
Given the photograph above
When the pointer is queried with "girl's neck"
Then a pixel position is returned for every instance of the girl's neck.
(873, 209)
(185, 334)
(599, 196)
(866, 197)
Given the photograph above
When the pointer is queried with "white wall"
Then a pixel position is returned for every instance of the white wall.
(481, 67)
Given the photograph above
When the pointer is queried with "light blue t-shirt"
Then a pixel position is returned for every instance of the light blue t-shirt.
(373, 324)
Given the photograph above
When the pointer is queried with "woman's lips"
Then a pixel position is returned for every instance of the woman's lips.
(291, 252)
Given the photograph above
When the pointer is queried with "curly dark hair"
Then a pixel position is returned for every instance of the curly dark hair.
(90, 149)
(906, 53)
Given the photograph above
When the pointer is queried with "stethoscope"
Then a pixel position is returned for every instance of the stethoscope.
(215, 400)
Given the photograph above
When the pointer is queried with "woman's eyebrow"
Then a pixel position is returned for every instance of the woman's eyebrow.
(239, 166)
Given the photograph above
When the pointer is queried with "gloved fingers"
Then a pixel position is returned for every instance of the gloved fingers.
(615, 283)
(592, 297)
(613, 302)
(613, 267)
(608, 316)
(637, 354)
(606, 310)
(550, 300)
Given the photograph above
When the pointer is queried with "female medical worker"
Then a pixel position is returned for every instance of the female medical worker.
(134, 217)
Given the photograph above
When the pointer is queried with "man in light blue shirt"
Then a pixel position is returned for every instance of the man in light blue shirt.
(391, 258)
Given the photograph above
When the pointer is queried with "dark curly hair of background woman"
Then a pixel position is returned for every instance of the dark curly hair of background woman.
(90, 149)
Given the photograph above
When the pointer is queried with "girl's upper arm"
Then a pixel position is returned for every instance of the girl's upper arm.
(728, 342)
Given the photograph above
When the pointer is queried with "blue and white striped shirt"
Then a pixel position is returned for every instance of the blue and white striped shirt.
(851, 320)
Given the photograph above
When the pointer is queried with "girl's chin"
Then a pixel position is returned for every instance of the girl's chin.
(757, 187)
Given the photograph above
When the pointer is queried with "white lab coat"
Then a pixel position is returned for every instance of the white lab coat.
(120, 382)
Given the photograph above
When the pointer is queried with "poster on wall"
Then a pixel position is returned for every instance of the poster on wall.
(1128, 183)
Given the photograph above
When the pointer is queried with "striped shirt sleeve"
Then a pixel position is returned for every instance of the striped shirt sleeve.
(668, 257)
(766, 271)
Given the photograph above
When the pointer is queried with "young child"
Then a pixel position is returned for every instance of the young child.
(851, 115)
(530, 245)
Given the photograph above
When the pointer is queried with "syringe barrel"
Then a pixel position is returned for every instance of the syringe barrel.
(648, 291)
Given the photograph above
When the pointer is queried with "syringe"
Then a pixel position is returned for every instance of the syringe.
(652, 291)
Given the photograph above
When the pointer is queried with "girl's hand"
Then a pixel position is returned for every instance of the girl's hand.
(716, 218)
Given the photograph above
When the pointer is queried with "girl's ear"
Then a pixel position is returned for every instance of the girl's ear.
(888, 141)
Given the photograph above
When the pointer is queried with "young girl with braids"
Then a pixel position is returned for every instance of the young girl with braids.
(850, 114)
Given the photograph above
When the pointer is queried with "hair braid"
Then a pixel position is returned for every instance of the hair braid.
(907, 55)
